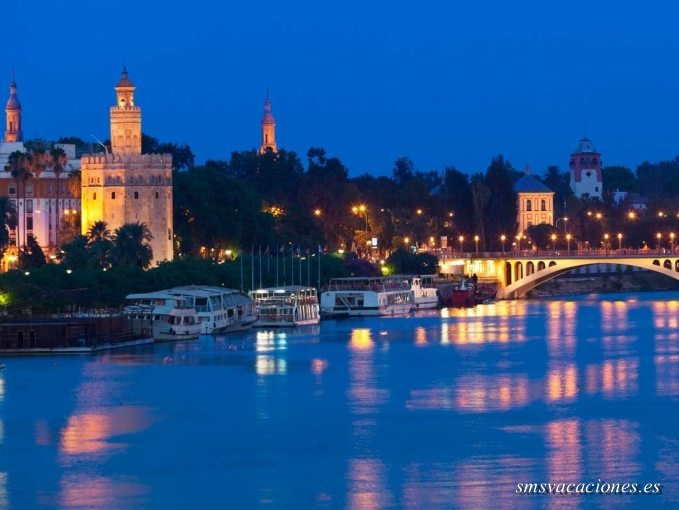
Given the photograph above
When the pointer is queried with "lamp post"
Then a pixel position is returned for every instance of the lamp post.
(606, 243)
(568, 241)
(461, 240)
(476, 240)
(518, 246)
(672, 242)
(503, 238)
(362, 209)
(619, 242)
(565, 223)
(554, 242)
(658, 235)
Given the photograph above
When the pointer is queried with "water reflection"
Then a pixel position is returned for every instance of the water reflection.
(92, 491)
(667, 375)
(270, 365)
(562, 382)
(2, 389)
(561, 326)
(563, 439)
(363, 394)
(480, 480)
(665, 314)
(439, 491)
(90, 433)
(615, 378)
(366, 485)
(4, 499)
(612, 449)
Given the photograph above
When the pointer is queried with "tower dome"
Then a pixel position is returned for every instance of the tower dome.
(268, 116)
(124, 80)
(13, 101)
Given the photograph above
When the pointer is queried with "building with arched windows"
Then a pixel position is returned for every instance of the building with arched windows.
(535, 202)
(268, 128)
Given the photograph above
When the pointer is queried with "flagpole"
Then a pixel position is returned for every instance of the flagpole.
(320, 251)
(268, 260)
(276, 264)
(252, 267)
(240, 256)
(260, 266)
(299, 253)
(283, 265)
(308, 268)
(292, 266)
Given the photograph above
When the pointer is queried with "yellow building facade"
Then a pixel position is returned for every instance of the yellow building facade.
(268, 128)
(126, 186)
(535, 202)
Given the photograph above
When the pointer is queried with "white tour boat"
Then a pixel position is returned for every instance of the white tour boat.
(365, 296)
(166, 316)
(286, 306)
(425, 294)
(220, 310)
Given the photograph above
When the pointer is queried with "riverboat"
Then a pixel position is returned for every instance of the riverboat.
(168, 316)
(289, 306)
(424, 292)
(365, 296)
(220, 310)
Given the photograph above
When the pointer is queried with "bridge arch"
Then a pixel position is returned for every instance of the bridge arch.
(522, 284)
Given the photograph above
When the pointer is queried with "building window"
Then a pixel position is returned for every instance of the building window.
(543, 206)
(169, 234)
(49, 189)
(136, 195)
(29, 189)
(596, 188)
(29, 206)
(530, 223)
(29, 223)
(94, 196)
(113, 195)
(12, 189)
(594, 161)
(529, 206)
(157, 195)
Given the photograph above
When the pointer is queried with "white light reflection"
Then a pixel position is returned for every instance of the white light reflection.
(265, 341)
(4, 500)
(2, 433)
(363, 394)
(366, 485)
(2, 389)
(270, 365)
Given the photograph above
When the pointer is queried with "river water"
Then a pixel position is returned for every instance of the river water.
(443, 409)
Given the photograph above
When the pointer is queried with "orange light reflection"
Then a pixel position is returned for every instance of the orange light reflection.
(92, 491)
(562, 383)
(666, 375)
(366, 486)
(613, 378)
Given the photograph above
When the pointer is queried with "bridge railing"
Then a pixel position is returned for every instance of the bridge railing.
(587, 253)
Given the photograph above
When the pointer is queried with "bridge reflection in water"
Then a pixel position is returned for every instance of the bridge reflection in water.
(516, 274)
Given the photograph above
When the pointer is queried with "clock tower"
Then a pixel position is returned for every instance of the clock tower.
(585, 167)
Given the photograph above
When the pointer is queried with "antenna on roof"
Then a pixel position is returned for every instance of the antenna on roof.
(99, 142)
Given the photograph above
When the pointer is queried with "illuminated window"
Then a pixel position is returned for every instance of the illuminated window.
(543, 206)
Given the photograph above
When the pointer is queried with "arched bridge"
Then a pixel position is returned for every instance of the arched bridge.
(517, 274)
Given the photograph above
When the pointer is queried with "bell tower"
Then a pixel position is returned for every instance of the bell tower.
(125, 119)
(13, 131)
(268, 127)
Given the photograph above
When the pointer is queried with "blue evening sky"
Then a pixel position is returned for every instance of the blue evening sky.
(443, 82)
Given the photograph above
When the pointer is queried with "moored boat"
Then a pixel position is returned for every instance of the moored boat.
(289, 306)
(365, 296)
(166, 315)
(220, 310)
(424, 292)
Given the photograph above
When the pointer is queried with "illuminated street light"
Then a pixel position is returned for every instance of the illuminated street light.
(476, 239)
(619, 242)
(672, 242)
(565, 224)
(461, 239)
(606, 236)
(632, 215)
(568, 240)
(503, 238)
(361, 209)
(553, 242)
(658, 235)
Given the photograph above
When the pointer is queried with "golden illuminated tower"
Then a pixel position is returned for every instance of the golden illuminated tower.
(125, 119)
(127, 186)
(268, 128)
(13, 109)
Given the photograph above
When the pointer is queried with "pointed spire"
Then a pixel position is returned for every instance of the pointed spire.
(13, 102)
(527, 166)
(13, 84)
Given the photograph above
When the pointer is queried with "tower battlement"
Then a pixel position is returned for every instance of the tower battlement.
(127, 159)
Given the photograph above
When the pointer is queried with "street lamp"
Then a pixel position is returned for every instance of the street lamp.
(503, 238)
(672, 242)
(606, 243)
(362, 209)
(658, 235)
(619, 242)
(476, 239)
(565, 223)
(568, 240)
(461, 239)
(554, 242)
(518, 238)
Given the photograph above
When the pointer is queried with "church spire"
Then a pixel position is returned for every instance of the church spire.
(268, 127)
(13, 131)
(527, 166)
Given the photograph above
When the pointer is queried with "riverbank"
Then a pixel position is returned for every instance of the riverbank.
(639, 281)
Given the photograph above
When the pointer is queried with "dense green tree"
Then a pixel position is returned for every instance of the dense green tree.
(58, 161)
(502, 209)
(8, 221)
(402, 261)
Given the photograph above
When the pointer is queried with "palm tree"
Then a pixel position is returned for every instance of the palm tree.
(100, 244)
(8, 221)
(131, 245)
(19, 166)
(58, 161)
